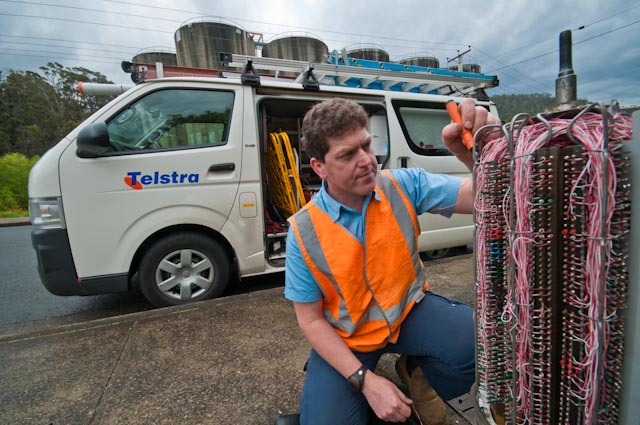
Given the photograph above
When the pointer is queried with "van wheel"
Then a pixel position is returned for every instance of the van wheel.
(436, 254)
(183, 268)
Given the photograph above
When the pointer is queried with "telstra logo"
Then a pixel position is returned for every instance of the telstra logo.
(137, 180)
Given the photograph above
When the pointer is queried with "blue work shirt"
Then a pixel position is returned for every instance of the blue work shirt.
(435, 193)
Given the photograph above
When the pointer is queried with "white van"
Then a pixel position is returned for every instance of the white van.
(170, 181)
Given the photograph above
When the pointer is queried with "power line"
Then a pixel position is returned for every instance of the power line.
(541, 85)
(69, 41)
(423, 44)
(64, 47)
(56, 53)
(285, 25)
(607, 32)
(168, 32)
(200, 13)
(57, 57)
(89, 10)
(581, 27)
(83, 22)
(556, 50)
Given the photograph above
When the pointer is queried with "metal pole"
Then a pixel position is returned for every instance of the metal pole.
(567, 81)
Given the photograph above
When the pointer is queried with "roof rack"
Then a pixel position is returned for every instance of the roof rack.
(367, 74)
(334, 72)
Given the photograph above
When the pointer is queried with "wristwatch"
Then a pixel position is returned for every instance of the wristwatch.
(356, 380)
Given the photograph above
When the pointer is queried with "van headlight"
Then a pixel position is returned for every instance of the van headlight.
(46, 213)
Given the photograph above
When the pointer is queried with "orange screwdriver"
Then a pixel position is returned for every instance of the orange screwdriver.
(467, 136)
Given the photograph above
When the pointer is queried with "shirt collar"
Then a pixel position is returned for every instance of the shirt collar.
(335, 208)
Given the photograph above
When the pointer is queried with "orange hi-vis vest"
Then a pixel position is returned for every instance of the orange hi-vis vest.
(369, 288)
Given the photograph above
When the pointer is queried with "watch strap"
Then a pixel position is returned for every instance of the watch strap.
(356, 380)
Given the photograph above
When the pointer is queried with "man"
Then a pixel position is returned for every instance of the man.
(357, 283)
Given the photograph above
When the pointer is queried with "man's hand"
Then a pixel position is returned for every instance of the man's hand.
(473, 117)
(385, 398)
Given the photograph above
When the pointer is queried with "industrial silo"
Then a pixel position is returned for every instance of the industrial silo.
(303, 47)
(200, 41)
(367, 51)
(425, 60)
(155, 54)
(471, 67)
(466, 67)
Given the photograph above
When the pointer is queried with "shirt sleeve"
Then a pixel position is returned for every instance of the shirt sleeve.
(299, 283)
(434, 193)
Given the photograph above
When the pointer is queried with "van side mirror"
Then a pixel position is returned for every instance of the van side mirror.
(93, 141)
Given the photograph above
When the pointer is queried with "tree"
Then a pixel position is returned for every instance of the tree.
(65, 82)
(36, 111)
(25, 119)
(511, 105)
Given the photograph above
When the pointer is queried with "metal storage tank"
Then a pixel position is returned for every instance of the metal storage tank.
(199, 42)
(156, 54)
(303, 47)
(425, 60)
(368, 52)
(471, 67)
(467, 67)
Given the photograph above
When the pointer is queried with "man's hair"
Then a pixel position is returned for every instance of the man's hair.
(331, 118)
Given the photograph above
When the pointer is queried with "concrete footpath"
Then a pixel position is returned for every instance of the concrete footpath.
(234, 360)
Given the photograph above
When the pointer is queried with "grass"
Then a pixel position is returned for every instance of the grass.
(14, 213)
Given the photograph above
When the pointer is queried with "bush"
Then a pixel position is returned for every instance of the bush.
(14, 181)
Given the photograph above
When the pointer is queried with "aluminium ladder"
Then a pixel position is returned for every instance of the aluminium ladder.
(365, 73)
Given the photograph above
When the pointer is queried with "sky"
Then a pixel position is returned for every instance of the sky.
(515, 40)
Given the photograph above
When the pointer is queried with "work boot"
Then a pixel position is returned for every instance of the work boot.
(426, 401)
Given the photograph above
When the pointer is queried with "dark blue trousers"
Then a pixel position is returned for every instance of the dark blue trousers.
(438, 331)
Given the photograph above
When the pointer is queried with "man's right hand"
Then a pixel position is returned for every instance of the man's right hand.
(385, 398)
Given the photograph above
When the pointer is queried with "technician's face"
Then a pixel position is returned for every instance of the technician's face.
(349, 167)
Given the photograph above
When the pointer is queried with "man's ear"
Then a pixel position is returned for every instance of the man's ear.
(318, 167)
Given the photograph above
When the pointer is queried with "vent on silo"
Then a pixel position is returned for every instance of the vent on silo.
(199, 42)
(155, 54)
(368, 52)
(296, 46)
(420, 59)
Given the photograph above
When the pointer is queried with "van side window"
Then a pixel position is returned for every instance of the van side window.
(422, 124)
(168, 119)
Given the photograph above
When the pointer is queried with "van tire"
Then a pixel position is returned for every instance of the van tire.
(166, 281)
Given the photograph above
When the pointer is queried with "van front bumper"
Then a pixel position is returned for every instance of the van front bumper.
(58, 273)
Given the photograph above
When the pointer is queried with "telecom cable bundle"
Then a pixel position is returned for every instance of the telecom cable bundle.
(552, 213)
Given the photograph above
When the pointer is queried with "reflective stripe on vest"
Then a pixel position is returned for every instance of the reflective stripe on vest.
(368, 289)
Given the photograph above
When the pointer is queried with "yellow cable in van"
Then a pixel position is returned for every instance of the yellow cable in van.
(283, 176)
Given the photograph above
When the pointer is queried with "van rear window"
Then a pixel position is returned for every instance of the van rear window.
(422, 124)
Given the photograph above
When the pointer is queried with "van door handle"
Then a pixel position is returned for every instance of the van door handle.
(227, 166)
(403, 161)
